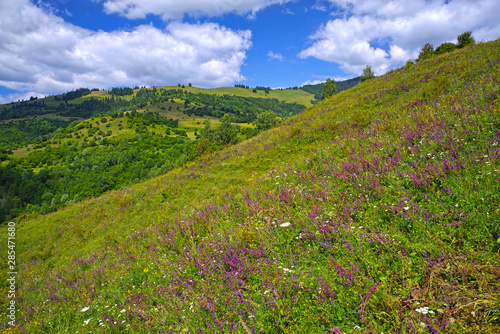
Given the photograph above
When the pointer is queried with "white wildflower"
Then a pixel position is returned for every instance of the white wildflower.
(285, 225)
(423, 310)
(85, 309)
(86, 322)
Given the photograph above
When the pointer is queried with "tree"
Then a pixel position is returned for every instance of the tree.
(426, 52)
(329, 89)
(265, 120)
(444, 48)
(207, 132)
(204, 145)
(465, 39)
(226, 133)
(367, 74)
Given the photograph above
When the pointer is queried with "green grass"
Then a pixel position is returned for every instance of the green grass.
(376, 210)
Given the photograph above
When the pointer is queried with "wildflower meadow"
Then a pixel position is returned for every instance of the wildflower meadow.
(376, 211)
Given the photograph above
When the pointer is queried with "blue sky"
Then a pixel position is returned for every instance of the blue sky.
(53, 46)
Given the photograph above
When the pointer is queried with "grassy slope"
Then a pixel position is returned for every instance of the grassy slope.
(388, 198)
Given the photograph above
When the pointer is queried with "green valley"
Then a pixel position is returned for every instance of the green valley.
(69, 147)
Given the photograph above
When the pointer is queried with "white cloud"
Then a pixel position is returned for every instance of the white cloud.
(320, 5)
(42, 54)
(14, 97)
(386, 33)
(275, 56)
(175, 9)
(311, 82)
(347, 43)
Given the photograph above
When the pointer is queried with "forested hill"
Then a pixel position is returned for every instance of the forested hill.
(65, 148)
(340, 85)
(374, 211)
(85, 103)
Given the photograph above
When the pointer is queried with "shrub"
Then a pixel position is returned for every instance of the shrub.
(445, 47)
(409, 63)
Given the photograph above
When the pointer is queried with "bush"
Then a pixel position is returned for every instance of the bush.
(445, 47)
(409, 63)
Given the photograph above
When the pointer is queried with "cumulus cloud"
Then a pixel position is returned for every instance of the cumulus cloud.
(43, 54)
(384, 34)
(311, 82)
(275, 56)
(175, 9)
(18, 97)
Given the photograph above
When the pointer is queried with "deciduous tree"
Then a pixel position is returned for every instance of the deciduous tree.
(465, 39)
(367, 74)
(329, 89)
(426, 52)
(265, 120)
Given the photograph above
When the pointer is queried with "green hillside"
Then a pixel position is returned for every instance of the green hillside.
(285, 95)
(374, 211)
(82, 143)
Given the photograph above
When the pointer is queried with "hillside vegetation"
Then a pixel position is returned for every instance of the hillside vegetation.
(340, 85)
(374, 211)
(77, 145)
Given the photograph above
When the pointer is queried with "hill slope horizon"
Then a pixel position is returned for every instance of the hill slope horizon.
(373, 211)
(300, 95)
